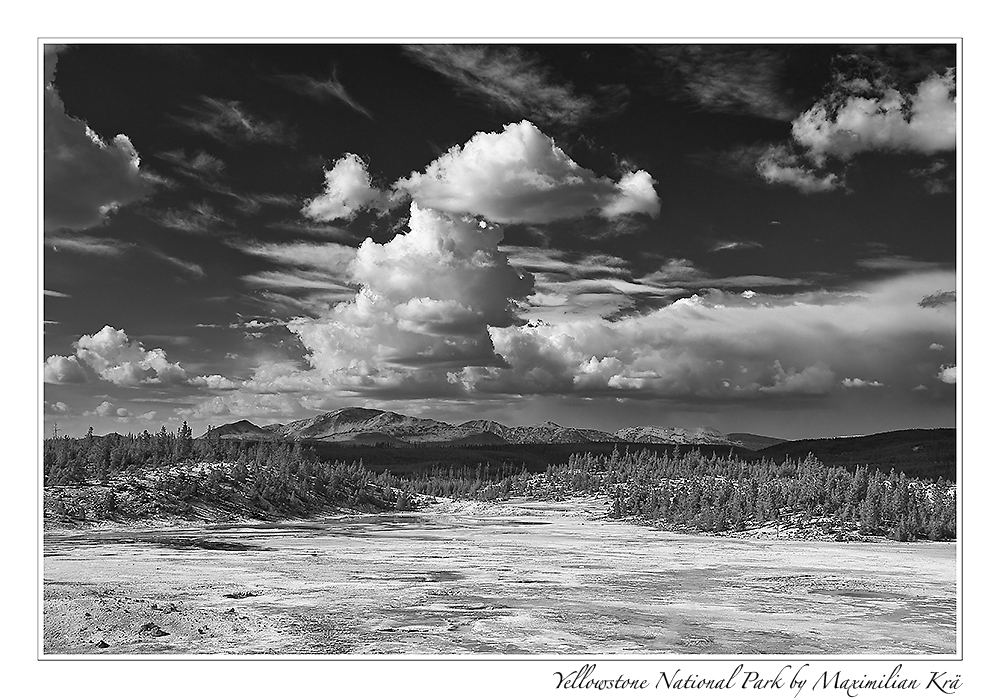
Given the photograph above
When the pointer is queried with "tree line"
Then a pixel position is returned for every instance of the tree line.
(265, 479)
(704, 492)
(714, 493)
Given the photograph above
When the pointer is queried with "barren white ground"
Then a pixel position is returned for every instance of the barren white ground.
(521, 578)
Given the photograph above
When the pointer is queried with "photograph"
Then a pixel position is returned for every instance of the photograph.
(501, 350)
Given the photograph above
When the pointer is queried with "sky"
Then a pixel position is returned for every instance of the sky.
(754, 238)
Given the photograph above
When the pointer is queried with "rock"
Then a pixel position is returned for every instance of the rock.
(153, 629)
(103, 645)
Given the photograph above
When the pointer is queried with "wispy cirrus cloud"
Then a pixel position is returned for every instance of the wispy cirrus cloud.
(728, 78)
(208, 172)
(938, 177)
(300, 280)
(682, 273)
(228, 121)
(898, 262)
(311, 277)
(314, 229)
(323, 90)
(511, 79)
(199, 217)
(86, 244)
(538, 260)
(251, 203)
(191, 268)
(328, 256)
(601, 285)
(200, 166)
(729, 246)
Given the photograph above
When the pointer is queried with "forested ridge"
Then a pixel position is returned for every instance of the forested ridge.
(171, 473)
(711, 493)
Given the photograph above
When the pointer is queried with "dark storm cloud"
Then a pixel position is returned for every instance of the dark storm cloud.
(86, 177)
(228, 121)
(514, 80)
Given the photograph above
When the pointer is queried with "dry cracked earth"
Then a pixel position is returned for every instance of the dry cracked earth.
(458, 578)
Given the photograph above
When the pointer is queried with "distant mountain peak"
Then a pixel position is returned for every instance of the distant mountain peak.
(367, 425)
(650, 434)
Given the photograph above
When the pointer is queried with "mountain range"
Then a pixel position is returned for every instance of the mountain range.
(361, 425)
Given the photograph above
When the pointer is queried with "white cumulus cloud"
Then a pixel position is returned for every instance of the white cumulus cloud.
(63, 369)
(348, 189)
(116, 359)
(923, 122)
(860, 383)
(521, 176)
(105, 409)
(426, 296)
(779, 165)
(948, 374)
(863, 113)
